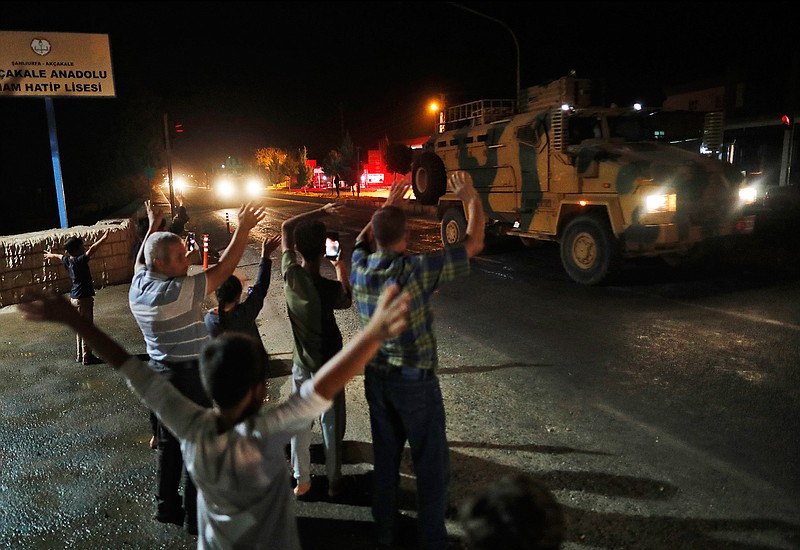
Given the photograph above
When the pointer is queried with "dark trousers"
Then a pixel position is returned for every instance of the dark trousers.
(405, 404)
(171, 471)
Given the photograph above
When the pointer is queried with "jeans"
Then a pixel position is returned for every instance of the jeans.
(406, 404)
(333, 423)
(185, 377)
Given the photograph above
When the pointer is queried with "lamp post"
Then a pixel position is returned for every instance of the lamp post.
(516, 43)
(435, 109)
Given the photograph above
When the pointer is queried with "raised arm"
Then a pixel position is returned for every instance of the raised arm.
(251, 306)
(287, 227)
(92, 249)
(389, 320)
(249, 217)
(55, 308)
(155, 222)
(343, 276)
(476, 219)
(50, 256)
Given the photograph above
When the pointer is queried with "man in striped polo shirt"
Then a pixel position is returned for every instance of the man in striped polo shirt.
(167, 305)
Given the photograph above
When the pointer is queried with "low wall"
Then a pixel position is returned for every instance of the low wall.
(24, 271)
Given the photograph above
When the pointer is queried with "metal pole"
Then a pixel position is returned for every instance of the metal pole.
(51, 124)
(516, 44)
(169, 167)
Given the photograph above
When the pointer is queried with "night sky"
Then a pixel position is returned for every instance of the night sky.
(244, 75)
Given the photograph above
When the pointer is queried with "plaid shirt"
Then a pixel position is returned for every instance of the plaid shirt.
(420, 275)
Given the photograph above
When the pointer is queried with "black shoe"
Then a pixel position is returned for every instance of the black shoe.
(175, 518)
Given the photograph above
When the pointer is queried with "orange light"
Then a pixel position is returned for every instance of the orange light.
(583, 203)
(434, 107)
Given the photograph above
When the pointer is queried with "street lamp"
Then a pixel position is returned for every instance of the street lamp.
(516, 44)
(435, 108)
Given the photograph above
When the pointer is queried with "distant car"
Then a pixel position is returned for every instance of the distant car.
(238, 187)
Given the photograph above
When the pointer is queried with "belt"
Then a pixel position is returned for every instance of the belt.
(409, 373)
(188, 364)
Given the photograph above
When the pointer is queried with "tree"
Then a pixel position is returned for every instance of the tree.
(333, 165)
(398, 158)
(303, 171)
(273, 160)
(347, 150)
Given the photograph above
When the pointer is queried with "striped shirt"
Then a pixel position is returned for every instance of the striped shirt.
(420, 275)
(169, 314)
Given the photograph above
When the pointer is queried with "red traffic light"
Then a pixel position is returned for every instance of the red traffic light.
(179, 128)
(786, 120)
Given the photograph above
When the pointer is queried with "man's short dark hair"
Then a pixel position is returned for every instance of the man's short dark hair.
(514, 513)
(388, 225)
(230, 365)
(73, 245)
(309, 239)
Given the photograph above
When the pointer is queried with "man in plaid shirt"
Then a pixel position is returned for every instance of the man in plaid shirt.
(400, 383)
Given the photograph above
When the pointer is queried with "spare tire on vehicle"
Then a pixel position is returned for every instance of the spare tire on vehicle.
(428, 178)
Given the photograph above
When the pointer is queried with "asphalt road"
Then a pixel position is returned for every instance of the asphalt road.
(662, 411)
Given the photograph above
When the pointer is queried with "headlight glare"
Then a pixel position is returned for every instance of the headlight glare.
(661, 203)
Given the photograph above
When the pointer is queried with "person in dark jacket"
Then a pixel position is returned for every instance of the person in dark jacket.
(233, 315)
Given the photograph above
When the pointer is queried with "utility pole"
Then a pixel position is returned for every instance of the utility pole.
(169, 167)
(506, 27)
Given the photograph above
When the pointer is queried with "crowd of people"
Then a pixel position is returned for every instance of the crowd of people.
(205, 380)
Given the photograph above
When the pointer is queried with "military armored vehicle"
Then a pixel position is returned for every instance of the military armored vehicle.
(606, 183)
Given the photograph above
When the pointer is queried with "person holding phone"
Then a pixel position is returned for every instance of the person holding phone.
(311, 300)
(332, 246)
(233, 314)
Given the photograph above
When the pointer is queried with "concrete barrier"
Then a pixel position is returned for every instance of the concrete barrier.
(24, 271)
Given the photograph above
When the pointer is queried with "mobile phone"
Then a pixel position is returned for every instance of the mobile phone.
(332, 246)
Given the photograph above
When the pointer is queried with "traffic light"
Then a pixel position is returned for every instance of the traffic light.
(178, 129)
(786, 121)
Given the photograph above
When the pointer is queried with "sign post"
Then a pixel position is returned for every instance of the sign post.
(55, 64)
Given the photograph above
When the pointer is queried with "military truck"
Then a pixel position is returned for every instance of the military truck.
(606, 183)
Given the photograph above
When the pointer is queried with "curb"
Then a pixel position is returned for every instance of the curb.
(367, 203)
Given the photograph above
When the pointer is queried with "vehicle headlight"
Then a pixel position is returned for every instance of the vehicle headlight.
(225, 189)
(253, 187)
(179, 185)
(661, 203)
(748, 194)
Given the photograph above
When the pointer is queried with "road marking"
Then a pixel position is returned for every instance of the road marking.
(740, 315)
(697, 454)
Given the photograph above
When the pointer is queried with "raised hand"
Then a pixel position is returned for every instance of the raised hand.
(269, 245)
(50, 307)
(332, 207)
(397, 191)
(461, 183)
(153, 216)
(249, 216)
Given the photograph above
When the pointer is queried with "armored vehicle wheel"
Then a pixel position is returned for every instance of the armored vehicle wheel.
(589, 252)
(428, 178)
(454, 226)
